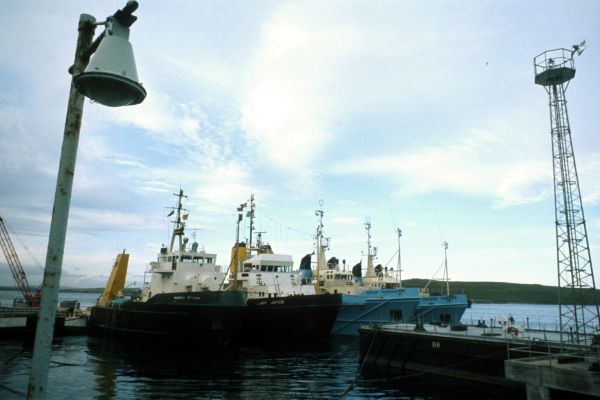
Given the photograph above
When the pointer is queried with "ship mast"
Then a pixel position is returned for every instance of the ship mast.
(445, 246)
(235, 264)
(371, 251)
(322, 245)
(250, 214)
(399, 265)
(179, 225)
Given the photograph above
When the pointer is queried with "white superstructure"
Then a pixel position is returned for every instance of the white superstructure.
(330, 278)
(271, 275)
(187, 269)
(261, 273)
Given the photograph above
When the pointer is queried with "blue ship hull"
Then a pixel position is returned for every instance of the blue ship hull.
(441, 309)
(375, 307)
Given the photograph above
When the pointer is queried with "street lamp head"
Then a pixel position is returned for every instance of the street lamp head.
(111, 77)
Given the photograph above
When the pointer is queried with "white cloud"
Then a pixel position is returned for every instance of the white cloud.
(266, 96)
(589, 179)
(12, 127)
(159, 114)
(524, 183)
(475, 165)
(81, 219)
(346, 220)
(225, 187)
(287, 105)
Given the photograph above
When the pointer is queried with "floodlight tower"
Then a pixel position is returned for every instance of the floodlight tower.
(579, 314)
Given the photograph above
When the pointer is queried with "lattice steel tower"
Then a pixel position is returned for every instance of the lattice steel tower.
(579, 312)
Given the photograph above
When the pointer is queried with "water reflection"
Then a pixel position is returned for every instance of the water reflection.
(94, 367)
(156, 369)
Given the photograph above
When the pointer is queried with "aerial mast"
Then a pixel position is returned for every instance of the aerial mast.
(371, 251)
(250, 214)
(322, 245)
(554, 69)
(235, 259)
(446, 277)
(179, 225)
(399, 266)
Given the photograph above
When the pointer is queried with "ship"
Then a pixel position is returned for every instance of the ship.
(183, 300)
(281, 308)
(440, 309)
(187, 297)
(361, 303)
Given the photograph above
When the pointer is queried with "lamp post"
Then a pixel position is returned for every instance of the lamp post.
(110, 84)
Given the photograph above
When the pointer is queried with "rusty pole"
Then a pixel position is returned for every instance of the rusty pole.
(58, 227)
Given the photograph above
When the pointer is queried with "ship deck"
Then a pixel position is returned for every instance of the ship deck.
(490, 334)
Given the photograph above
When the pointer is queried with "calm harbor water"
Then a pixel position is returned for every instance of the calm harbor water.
(94, 368)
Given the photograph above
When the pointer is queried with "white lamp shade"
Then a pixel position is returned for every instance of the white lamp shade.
(111, 77)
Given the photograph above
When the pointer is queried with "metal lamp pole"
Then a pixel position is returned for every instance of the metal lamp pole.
(108, 88)
(60, 214)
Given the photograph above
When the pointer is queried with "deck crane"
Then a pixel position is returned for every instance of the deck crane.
(32, 297)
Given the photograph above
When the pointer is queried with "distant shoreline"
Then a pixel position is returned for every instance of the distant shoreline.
(70, 290)
(478, 292)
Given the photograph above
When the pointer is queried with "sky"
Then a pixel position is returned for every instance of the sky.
(418, 115)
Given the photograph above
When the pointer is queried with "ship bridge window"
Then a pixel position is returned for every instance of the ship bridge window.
(270, 268)
(208, 260)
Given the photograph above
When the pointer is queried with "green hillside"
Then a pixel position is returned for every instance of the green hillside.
(479, 292)
(500, 292)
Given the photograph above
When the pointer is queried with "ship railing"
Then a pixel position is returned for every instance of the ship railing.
(551, 351)
(525, 323)
(9, 312)
(514, 336)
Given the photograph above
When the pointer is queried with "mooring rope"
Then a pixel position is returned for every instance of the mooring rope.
(13, 391)
(351, 386)
(406, 376)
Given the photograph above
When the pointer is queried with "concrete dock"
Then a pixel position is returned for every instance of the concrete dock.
(21, 322)
(575, 376)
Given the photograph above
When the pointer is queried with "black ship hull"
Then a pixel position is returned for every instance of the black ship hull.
(395, 352)
(211, 319)
(291, 320)
(220, 318)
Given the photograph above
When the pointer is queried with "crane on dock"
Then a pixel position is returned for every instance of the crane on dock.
(32, 297)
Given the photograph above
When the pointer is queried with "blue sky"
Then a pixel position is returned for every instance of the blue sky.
(418, 115)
